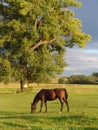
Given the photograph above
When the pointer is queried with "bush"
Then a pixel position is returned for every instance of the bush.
(81, 79)
(63, 80)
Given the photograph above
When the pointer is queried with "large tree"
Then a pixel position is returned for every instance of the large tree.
(34, 35)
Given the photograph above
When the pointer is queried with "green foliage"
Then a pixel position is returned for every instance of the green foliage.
(63, 80)
(33, 37)
(81, 79)
(95, 74)
(6, 71)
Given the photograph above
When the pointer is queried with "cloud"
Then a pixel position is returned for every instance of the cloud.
(69, 68)
(81, 61)
(82, 54)
(89, 59)
(72, 68)
(85, 61)
(87, 70)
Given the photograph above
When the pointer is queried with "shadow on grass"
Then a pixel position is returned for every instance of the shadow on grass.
(28, 116)
(13, 125)
(17, 126)
(19, 120)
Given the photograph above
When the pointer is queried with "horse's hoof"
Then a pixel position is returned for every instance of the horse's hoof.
(45, 111)
(60, 112)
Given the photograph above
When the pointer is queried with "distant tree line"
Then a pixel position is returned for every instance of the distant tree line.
(79, 79)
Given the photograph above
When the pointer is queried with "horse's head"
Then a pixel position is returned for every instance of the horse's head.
(33, 108)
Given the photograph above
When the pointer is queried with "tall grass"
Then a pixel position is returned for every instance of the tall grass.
(83, 115)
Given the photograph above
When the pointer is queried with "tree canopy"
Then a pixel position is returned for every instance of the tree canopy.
(34, 35)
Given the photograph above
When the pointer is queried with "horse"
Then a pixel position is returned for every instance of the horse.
(45, 95)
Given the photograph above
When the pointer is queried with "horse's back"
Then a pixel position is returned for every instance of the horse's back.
(52, 94)
(48, 94)
(61, 93)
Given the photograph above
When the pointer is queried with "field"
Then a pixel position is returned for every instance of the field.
(15, 109)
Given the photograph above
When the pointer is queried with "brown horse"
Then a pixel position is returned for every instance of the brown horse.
(45, 95)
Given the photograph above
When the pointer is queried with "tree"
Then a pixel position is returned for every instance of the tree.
(33, 38)
(95, 75)
(81, 79)
(63, 80)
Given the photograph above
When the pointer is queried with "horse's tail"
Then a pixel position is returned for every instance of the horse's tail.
(66, 93)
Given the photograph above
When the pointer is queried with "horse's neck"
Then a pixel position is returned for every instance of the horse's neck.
(35, 100)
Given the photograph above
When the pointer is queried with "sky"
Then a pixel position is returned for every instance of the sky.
(85, 61)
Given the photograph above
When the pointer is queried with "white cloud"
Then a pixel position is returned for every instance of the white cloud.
(80, 69)
(70, 68)
(89, 59)
(85, 61)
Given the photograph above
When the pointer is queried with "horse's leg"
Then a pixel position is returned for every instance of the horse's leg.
(41, 106)
(66, 102)
(61, 102)
(45, 106)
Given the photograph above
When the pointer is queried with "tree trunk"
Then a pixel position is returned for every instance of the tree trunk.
(23, 80)
(21, 86)
(25, 85)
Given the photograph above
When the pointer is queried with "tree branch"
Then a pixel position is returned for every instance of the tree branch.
(43, 42)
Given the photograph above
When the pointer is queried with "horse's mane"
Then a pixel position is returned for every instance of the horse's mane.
(36, 98)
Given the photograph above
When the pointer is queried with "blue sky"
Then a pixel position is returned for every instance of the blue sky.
(85, 61)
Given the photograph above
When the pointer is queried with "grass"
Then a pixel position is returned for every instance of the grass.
(83, 115)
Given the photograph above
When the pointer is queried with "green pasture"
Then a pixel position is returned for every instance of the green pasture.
(15, 109)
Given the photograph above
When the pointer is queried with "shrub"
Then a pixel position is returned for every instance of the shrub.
(81, 79)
